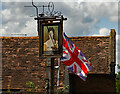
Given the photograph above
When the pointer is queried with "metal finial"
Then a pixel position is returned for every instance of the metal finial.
(36, 8)
(51, 7)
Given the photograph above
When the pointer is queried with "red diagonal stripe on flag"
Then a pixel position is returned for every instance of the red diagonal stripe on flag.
(74, 58)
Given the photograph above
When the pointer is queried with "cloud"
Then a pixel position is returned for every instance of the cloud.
(30, 28)
(113, 18)
(59, 1)
(104, 31)
(15, 17)
(6, 15)
(82, 16)
(0, 15)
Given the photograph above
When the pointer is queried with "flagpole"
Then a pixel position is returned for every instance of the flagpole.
(58, 75)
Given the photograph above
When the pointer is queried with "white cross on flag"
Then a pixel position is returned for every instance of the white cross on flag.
(74, 59)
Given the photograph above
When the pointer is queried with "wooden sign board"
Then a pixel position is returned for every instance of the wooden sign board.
(50, 38)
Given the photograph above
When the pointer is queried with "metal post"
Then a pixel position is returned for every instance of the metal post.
(50, 76)
(66, 80)
(58, 75)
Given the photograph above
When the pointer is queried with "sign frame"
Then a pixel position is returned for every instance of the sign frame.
(43, 27)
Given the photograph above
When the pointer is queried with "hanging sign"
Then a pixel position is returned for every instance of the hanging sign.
(50, 29)
(50, 37)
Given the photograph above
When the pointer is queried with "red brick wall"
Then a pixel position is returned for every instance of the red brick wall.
(96, 49)
(0, 63)
(21, 63)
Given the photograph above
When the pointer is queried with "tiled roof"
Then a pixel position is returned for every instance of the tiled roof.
(96, 49)
(21, 62)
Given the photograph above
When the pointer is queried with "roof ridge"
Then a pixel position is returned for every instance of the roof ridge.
(19, 37)
(3, 37)
(89, 36)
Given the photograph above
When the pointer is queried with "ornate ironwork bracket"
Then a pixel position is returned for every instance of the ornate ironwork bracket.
(49, 13)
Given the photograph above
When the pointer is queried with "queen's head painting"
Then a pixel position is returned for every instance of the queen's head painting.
(51, 44)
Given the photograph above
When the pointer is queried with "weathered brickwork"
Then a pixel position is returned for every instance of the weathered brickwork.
(0, 63)
(21, 62)
(96, 49)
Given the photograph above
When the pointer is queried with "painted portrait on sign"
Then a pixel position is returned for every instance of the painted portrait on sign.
(50, 39)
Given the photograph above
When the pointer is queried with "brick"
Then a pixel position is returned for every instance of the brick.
(21, 63)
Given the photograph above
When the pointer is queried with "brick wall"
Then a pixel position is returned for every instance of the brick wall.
(0, 64)
(101, 53)
(21, 62)
(96, 49)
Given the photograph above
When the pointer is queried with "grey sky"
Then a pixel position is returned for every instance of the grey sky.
(82, 18)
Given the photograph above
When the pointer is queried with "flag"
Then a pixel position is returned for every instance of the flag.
(74, 59)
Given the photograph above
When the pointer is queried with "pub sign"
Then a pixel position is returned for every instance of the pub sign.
(50, 37)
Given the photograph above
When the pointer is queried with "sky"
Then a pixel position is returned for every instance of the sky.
(84, 18)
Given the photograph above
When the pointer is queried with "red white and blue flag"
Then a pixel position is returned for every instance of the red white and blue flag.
(74, 59)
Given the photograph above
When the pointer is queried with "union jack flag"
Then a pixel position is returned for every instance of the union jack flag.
(74, 59)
